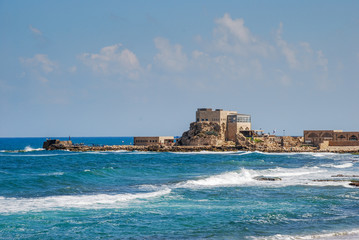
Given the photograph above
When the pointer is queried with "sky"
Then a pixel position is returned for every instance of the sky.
(142, 68)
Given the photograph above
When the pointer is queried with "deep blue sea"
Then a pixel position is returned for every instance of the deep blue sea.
(145, 195)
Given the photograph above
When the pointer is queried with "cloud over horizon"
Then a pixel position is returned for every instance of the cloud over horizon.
(111, 60)
(39, 66)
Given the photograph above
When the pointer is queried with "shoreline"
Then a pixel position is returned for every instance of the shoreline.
(158, 148)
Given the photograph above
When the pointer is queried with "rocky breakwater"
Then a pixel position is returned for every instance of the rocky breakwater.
(60, 145)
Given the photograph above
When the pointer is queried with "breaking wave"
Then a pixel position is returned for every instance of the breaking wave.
(30, 149)
(344, 235)
(82, 201)
(26, 149)
(309, 176)
(344, 165)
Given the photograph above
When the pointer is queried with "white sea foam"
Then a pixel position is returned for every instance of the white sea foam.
(141, 152)
(344, 165)
(120, 151)
(26, 149)
(30, 149)
(225, 179)
(98, 201)
(52, 174)
(212, 152)
(12, 154)
(308, 176)
(334, 156)
(344, 235)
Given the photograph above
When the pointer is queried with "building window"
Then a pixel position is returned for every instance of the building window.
(202, 119)
(341, 137)
(353, 138)
(312, 135)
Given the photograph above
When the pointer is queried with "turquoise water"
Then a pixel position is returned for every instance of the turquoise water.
(143, 195)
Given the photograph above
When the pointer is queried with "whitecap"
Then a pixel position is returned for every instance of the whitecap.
(211, 152)
(81, 201)
(52, 174)
(340, 235)
(224, 179)
(30, 149)
(247, 177)
(344, 165)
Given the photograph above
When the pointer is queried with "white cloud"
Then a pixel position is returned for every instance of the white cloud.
(197, 54)
(40, 61)
(35, 30)
(236, 27)
(284, 79)
(112, 60)
(233, 37)
(39, 66)
(73, 69)
(170, 56)
(322, 61)
(285, 49)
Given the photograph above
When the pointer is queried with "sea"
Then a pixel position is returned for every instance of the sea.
(194, 195)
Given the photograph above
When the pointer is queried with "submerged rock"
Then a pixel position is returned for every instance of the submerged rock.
(345, 176)
(354, 183)
(263, 178)
(330, 180)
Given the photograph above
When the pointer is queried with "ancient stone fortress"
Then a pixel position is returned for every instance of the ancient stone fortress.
(231, 121)
(333, 140)
(219, 130)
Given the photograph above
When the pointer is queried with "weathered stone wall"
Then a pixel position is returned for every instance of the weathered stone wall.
(146, 141)
(208, 115)
(346, 136)
(342, 149)
(233, 128)
(344, 143)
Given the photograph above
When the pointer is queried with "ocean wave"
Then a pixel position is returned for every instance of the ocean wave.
(52, 174)
(30, 149)
(98, 201)
(343, 235)
(224, 179)
(26, 149)
(344, 165)
(16, 154)
(305, 176)
(212, 152)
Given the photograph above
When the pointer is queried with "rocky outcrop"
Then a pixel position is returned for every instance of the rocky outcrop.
(204, 134)
(51, 144)
(354, 183)
(244, 143)
(213, 134)
(263, 178)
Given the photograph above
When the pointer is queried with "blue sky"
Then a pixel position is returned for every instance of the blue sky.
(125, 68)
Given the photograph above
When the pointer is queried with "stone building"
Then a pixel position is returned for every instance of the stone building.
(232, 121)
(146, 141)
(331, 138)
